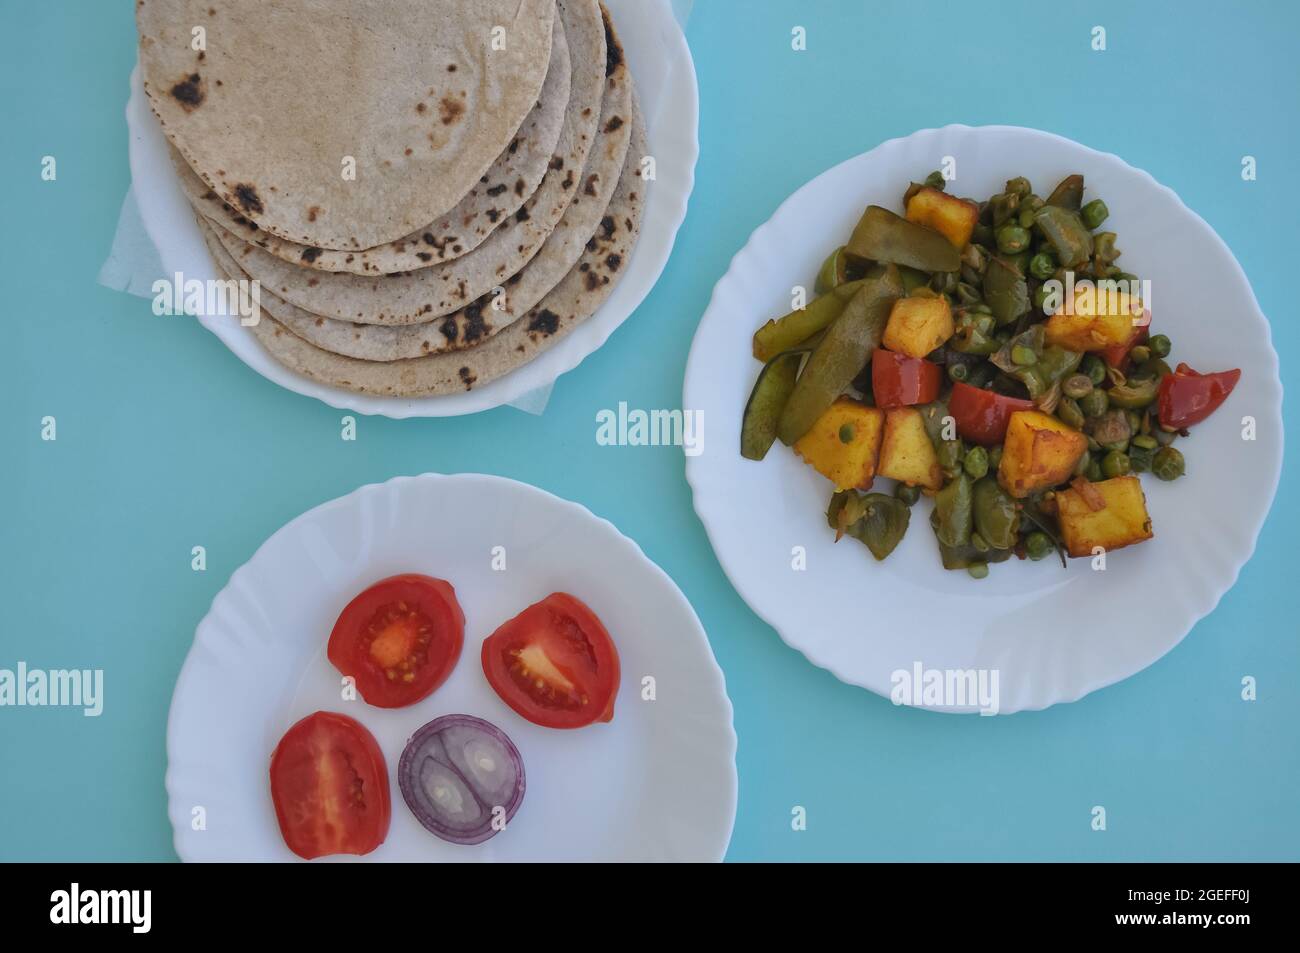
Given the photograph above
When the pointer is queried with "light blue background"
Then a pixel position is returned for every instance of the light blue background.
(166, 440)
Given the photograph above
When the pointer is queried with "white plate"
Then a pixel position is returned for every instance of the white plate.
(656, 783)
(1052, 635)
(661, 65)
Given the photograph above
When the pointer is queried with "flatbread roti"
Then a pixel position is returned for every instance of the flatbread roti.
(456, 288)
(371, 342)
(492, 200)
(577, 297)
(274, 104)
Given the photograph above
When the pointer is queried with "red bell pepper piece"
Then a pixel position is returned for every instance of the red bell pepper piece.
(1117, 356)
(982, 415)
(900, 381)
(1187, 397)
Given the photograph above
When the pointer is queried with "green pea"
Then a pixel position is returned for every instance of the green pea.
(1037, 545)
(1069, 413)
(1023, 355)
(1140, 354)
(950, 454)
(1140, 458)
(1042, 265)
(1012, 239)
(1025, 217)
(1115, 464)
(1093, 473)
(1096, 403)
(995, 457)
(958, 372)
(1076, 386)
(1094, 213)
(935, 180)
(1020, 186)
(1094, 367)
(1160, 345)
(908, 494)
(1134, 421)
(978, 570)
(1168, 463)
(1145, 441)
(976, 463)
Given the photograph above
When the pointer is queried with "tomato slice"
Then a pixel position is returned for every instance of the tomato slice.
(399, 639)
(554, 663)
(329, 784)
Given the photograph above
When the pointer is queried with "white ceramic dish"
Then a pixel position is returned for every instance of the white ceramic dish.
(1052, 635)
(661, 64)
(657, 783)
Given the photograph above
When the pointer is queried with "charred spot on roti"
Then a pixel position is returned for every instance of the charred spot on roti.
(614, 125)
(420, 107)
(590, 187)
(450, 329)
(519, 187)
(496, 190)
(613, 52)
(522, 215)
(614, 262)
(312, 282)
(467, 377)
(568, 181)
(545, 322)
(591, 280)
(514, 146)
(248, 199)
(475, 326)
(493, 215)
(189, 92)
(451, 67)
(310, 254)
(312, 213)
(450, 110)
(607, 226)
(557, 163)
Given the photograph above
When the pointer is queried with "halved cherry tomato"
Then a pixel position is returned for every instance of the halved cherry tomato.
(554, 663)
(399, 639)
(1187, 397)
(982, 415)
(329, 784)
(901, 381)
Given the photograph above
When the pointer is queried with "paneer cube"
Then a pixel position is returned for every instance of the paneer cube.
(952, 217)
(1121, 521)
(1039, 452)
(1096, 319)
(906, 453)
(844, 444)
(918, 325)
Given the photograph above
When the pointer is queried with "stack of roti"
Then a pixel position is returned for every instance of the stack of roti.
(429, 193)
